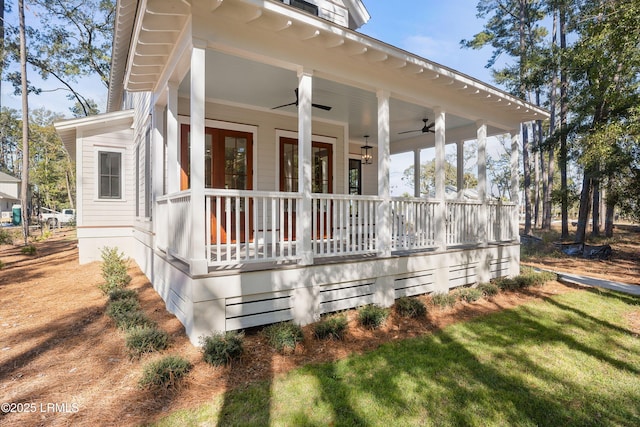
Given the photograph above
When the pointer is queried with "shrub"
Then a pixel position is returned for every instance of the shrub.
(284, 336)
(122, 294)
(146, 339)
(132, 319)
(443, 300)
(221, 348)
(469, 294)
(28, 250)
(528, 278)
(488, 289)
(120, 306)
(114, 270)
(164, 372)
(410, 307)
(372, 316)
(5, 237)
(333, 327)
(506, 284)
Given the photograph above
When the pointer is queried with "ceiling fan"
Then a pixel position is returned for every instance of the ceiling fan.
(320, 106)
(426, 128)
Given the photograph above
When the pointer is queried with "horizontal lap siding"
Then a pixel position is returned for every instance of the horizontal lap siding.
(97, 212)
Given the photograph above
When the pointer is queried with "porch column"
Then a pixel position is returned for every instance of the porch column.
(383, 212)
(482, 181)
(157, 167)
(515, 185)
(198, 261)
(304, 212)
(441, 209)
(416, 172)
(460, 167)
(173, 139)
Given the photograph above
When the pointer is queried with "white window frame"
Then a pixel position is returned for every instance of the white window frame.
(97, 149)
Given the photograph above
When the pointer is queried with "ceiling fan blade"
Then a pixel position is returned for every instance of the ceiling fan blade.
(322, 107)
(285, 105)
(410, 131)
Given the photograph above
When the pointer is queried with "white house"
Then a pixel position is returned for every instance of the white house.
(230, 164)
(9, 195)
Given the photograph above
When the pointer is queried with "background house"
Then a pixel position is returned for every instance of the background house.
(9, 195)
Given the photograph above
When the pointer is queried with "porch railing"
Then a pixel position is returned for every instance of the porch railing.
(243, 226)
(501, 226)
(174, 218)
(413, 224)
(246, 226)
(343, 224)
(463, 222)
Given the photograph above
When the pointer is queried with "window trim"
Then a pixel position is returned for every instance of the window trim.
(97, 149)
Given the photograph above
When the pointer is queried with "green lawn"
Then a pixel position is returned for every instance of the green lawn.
(572, 360)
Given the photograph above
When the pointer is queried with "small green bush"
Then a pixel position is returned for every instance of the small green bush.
(528, 278)
(333, 327)
(164, 372)
(488, 289)
(28, 250)
(146, 339)
(222, 348)
(114, 270)
(132, 319)
(120, 306)
(5, 237)
(122, 294)
(443, 300)
(372, 316)
(284, 336)
(410, 307)
(469, 294)
(506, 284)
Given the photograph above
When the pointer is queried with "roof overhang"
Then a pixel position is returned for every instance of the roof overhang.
(68, 129)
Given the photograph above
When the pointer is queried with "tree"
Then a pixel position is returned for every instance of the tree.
(50, 162)
(513, 28)
(24, 190)
(604, 94)
(72, 39)
(428, 177)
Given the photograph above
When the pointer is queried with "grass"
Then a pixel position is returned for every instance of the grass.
(571, 360)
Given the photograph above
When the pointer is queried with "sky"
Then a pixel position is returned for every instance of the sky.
(431, 29)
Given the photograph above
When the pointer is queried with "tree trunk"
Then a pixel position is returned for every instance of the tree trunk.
(68, 181)
(527, 180)
(563, 127)
(595, 215)
(610, 203)
(24, 191)
(585, 207)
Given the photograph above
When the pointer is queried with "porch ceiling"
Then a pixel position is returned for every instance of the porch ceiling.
(260, 86)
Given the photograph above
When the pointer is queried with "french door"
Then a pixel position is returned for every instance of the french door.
(228, 164)
(321, 175)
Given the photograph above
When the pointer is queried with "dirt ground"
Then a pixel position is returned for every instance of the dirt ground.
(63, 362)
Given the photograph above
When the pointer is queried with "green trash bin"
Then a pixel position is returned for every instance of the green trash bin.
(16, 217)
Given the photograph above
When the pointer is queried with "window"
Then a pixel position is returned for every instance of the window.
(303, 5)
(355, 176)
(322, 166)
(109, 175)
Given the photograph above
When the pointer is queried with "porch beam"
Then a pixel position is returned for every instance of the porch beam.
(173, 140)
(304, 221)
(383, 212)
(440, 213)
(198, 261)
(482, 181)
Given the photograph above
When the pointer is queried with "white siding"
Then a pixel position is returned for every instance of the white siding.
(10, 188)
(96, 212)
(266, 147)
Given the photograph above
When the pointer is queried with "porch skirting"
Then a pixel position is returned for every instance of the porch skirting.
(231, 299)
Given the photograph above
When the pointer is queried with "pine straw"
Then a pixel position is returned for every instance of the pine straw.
(59, 347)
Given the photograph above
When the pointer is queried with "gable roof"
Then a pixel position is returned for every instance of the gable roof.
(5, 177)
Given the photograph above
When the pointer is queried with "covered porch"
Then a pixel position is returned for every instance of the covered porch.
(257, 114)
